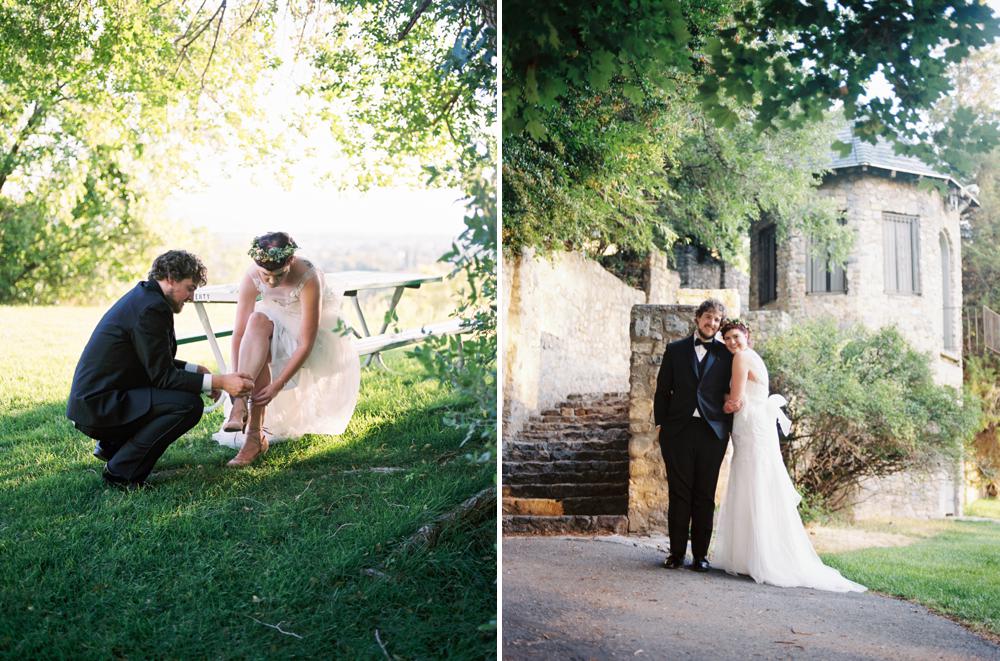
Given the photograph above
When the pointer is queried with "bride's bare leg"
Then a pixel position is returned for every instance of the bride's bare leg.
(255, 443)
(255, 353)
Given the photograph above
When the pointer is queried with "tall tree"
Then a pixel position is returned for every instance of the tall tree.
(94, 100)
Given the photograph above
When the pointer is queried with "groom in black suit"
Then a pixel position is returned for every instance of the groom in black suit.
(129, 392)
(693, 430)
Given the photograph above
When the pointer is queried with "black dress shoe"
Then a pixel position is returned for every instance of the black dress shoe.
(121, 483)
(102, 453)
(700, 565)
(673, 562)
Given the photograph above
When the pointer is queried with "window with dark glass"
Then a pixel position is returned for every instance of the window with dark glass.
(768, 278)
(823, 274)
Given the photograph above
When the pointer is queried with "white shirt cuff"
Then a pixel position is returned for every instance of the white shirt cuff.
(206, 383)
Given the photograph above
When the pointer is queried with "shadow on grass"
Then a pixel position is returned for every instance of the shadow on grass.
(205, 563)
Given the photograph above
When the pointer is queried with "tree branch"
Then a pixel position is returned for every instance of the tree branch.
(413, 20)
(215, 41)
(10, 159)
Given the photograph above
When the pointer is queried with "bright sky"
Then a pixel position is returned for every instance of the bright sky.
(239, 204)
(233, 195)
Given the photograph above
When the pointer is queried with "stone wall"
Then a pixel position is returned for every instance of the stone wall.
(698, 269)
(565, 331)
(662, 283)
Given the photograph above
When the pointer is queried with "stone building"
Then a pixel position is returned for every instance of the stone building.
(905, 270)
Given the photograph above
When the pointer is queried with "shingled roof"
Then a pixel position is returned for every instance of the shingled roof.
(882, 156)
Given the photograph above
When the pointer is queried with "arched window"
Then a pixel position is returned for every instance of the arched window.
(947, 295)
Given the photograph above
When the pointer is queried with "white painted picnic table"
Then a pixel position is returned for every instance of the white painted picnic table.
(350, 282)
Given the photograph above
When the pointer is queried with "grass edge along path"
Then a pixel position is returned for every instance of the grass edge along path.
(951, 568)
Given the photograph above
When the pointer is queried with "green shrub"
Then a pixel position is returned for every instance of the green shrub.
(863, 404)
(982, 377)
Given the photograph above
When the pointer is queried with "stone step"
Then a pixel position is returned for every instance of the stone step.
(582, 413)
(563, 490)
(577, 477)
(561, 525)
(579, 434)
(595, 505)
(553, 507)
(532, 506)
(574, 424)
(570, 445)
(568, 467)
(539, 452)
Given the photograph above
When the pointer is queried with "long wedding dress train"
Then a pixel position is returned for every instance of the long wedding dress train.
(759, 532)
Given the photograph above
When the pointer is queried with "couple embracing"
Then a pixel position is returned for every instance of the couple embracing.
(706, 391)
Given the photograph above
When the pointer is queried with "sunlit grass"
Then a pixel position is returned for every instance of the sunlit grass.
(309, 539)
(985, 507)
(951, 567)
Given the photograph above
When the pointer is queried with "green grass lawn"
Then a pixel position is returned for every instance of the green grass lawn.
(984, 507)
(952, 567)
(223, 563)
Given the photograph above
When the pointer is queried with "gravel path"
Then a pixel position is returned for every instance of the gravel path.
(594, 598)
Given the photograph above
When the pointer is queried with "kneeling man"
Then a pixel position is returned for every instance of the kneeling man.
(129, 393)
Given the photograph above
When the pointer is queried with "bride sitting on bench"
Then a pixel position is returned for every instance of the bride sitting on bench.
(306, 381)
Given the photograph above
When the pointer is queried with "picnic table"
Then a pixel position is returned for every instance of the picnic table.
(352, 282)
(368, 345)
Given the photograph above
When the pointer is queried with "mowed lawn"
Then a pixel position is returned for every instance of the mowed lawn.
(302, 555)
(952, 567)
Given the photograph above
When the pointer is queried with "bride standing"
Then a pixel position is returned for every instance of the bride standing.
(759, 530)
(306, 376)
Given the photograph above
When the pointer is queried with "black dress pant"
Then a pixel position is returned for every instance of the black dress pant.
(693, 455)
(137, 445)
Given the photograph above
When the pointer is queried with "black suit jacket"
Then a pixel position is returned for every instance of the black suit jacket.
(679, 390)
(130, 353)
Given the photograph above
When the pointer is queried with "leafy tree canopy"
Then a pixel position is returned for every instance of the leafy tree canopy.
(604, 105)
(95, 98)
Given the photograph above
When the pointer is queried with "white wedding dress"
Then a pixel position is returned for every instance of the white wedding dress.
(321, 396)
(759, 532)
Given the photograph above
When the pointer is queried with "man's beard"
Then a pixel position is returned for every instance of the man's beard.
(175, 306)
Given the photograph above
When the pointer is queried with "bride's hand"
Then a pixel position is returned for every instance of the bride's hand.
(264, 397)
(732, 405)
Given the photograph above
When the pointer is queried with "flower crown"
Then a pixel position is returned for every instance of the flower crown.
(272, 255)
(736, 322)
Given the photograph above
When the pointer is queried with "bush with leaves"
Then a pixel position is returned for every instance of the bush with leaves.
(982, 377)
(864, 405)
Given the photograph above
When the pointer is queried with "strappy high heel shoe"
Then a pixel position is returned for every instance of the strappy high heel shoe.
(254, 445)
(232, 424)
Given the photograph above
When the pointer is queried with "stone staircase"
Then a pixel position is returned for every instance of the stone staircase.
(567, 471)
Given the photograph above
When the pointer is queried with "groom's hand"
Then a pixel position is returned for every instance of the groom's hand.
(732, 405)
(237, 385)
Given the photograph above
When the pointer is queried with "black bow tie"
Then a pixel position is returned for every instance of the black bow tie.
(703, 343)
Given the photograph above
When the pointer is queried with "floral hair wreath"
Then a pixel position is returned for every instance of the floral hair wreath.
(735, 322)
(272, 255)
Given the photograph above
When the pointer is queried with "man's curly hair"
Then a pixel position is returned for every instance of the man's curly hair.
(178, 265)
